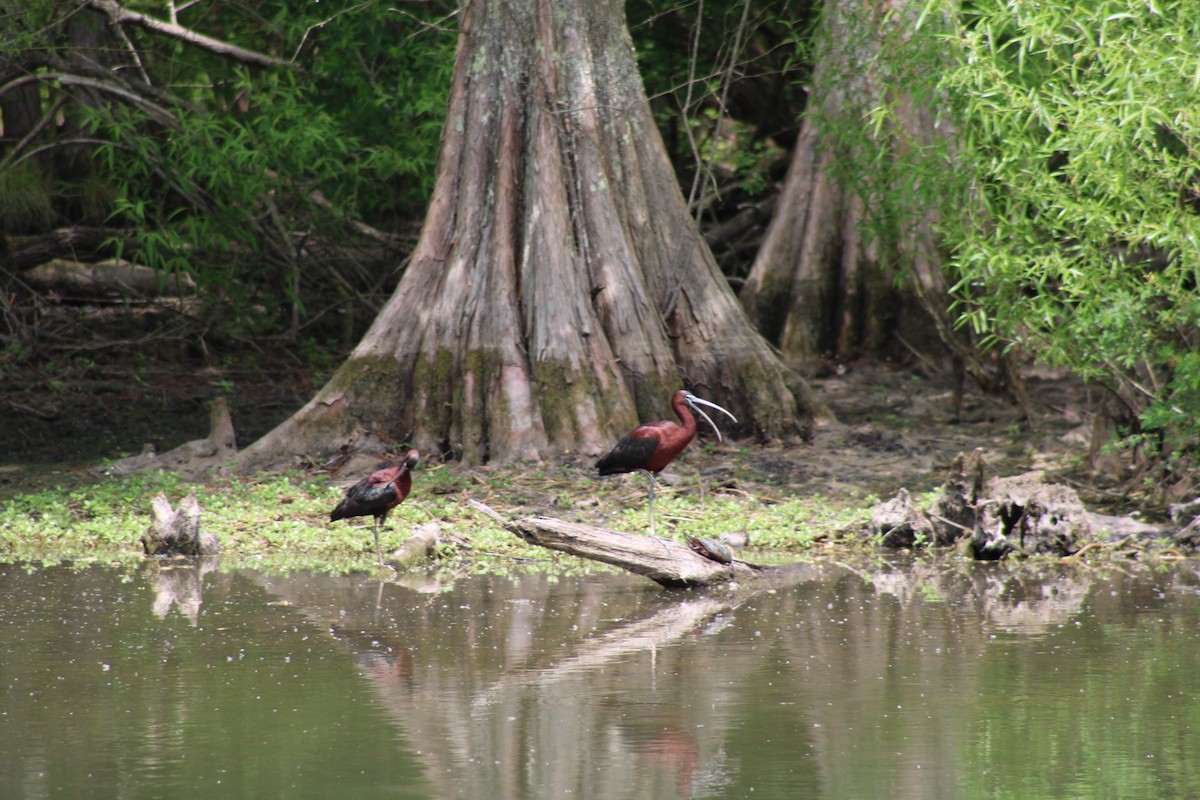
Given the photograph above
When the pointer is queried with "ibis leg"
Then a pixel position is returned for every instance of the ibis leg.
(650, 496)
(378, 550)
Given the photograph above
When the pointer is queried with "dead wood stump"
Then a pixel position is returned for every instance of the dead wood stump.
(899, 523)
(176, 531)
(1023, 514)
(1026, 515)
(953, 512)
(418, 547)
(190, 459)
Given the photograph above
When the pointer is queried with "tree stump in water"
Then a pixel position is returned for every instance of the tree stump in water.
(418, 547)
(899, 523)
(1026, 515)
(953, 512)
(176, 531)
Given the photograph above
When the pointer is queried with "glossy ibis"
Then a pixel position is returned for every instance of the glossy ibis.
(649, 448)
(377, 494)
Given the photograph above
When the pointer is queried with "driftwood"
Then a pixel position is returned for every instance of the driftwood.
(176, 531)
(664, 561)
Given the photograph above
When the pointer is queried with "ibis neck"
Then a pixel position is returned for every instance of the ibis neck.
(685, 416)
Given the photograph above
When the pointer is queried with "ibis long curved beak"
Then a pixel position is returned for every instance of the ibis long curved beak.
(695, 402)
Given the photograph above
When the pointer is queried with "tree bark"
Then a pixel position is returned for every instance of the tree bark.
(850, 265)
(819, 287)
(559, 292)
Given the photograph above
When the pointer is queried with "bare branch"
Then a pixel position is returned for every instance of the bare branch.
(120, 15)
(319, 199)
(322, 24)
(134, 55)
(156, 111)
(20, 146)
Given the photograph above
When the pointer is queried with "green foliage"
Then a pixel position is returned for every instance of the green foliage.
(217, 169)
(24, 198)
(1057, 147)
(1081, 135)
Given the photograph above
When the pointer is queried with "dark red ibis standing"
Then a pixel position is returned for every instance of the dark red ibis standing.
(377, 494)
(649, 448)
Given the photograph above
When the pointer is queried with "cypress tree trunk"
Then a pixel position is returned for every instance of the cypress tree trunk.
(850, 265)
(819, 286)
(559, 291)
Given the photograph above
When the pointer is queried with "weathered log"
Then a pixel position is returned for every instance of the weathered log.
(176, 531)
(664, 561)
(418, 547)
(106, 278)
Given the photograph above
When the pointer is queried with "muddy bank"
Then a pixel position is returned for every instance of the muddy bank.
(896, 428)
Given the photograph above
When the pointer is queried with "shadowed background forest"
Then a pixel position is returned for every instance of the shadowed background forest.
(207, 193)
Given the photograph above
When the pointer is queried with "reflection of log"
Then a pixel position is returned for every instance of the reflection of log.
(669, 625)
(663, 561)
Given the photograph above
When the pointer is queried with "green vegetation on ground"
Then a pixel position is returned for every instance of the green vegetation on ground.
(281, 522)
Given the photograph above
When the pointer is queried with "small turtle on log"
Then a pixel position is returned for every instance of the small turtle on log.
(711, 549)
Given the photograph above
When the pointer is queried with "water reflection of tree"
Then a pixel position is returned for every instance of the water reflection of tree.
(511, 690)
(179, 583)
(608, 687)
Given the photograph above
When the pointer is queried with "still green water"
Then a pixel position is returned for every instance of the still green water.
(888, 680)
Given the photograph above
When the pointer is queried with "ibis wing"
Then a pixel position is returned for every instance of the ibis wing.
(366, 497)
(631, 453)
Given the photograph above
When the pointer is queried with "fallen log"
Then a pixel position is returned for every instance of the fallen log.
(664, 561)
(110, 278)
(29, 251)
